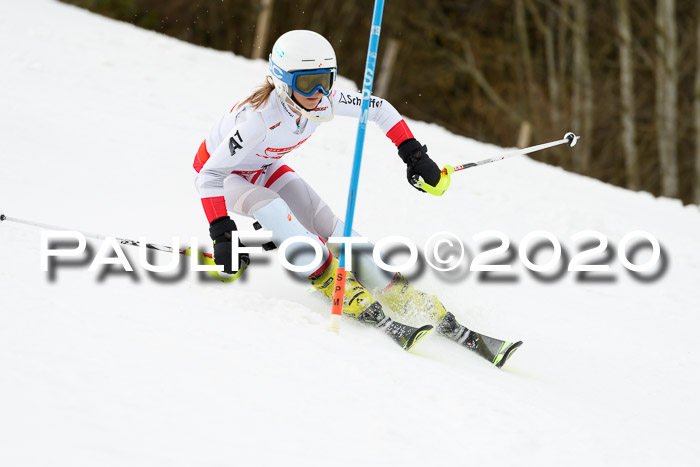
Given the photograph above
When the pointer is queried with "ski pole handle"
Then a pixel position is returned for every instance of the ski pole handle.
(441, 186)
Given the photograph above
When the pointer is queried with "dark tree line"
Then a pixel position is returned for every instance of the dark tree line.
(623, 74)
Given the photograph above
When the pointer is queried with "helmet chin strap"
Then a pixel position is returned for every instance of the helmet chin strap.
(292, 102)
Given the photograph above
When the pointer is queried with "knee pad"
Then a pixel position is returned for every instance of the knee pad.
(277, 218)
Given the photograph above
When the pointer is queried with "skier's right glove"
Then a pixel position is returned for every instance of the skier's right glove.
(220, 232)
(418, 164)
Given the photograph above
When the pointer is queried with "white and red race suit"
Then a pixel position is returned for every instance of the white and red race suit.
(251, 143)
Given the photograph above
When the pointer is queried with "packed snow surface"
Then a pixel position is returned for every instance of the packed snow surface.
(99, 125)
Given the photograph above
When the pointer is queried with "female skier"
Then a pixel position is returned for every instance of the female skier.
(240, 168)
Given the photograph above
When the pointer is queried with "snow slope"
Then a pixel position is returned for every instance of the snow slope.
(99, 122)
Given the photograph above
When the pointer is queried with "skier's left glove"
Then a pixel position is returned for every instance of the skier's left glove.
(418, 164)
(220, 232)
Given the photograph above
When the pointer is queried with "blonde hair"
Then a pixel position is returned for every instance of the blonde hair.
(261, 94)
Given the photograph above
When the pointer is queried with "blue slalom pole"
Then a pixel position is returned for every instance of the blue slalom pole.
(339, 290)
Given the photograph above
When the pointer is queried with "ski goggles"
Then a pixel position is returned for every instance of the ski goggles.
(306, 82)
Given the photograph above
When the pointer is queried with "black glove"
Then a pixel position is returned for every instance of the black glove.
(418, 164)
(220, 231)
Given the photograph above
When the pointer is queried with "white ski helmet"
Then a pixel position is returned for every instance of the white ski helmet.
(303, 61)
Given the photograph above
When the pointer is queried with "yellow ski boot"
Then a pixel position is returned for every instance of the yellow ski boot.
(405, 300)
(359, 304)
(356, 298)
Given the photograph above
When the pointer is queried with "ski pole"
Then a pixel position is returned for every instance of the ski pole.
(204, 258)
(444, 183)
